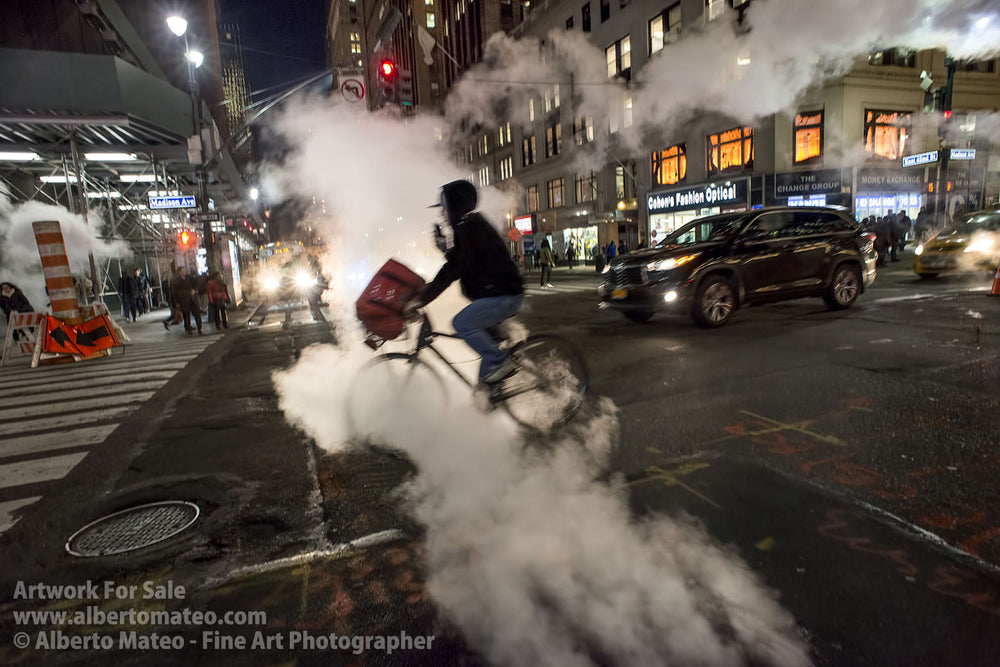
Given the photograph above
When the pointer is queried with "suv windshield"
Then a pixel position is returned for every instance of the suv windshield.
(977, 222)
(703, 230)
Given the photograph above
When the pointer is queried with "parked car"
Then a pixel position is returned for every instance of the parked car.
(713, 265)
(971, 243)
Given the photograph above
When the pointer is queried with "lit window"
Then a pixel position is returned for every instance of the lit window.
(586, 187)
(506, 168)
(528, 151)
(808, 136)
(618, 56)
(553, 140)
(430, 20)
(627, 117)
(626, 51)
(503, 135)
(484, 176)
(583, 130)
(531, 109)
(656, 34)
(429, 3)
(731, 150)
(355, 42)
(555, 97)
(670, 165)
(713, 9)
(531, 194)
(556, 192)
(886, 133)
(484, 145)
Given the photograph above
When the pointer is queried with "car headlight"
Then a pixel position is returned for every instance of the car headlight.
(270, 283)
(670, 263)
(919, 250)
(304, 280)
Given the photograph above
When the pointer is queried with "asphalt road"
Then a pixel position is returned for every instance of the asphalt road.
(847, 458)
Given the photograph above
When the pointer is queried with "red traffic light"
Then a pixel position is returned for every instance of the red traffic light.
(387, 68)
(185, 238)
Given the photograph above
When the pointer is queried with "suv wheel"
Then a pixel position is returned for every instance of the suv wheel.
(639, 316)
(844, 288)
(715, 302)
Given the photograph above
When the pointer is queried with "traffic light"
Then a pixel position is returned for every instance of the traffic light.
(388, 79)
(185, 239)
(405, 88)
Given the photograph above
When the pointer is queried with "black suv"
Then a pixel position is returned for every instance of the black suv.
(711, 266)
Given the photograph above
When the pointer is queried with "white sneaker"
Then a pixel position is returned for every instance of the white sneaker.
(502, 371)
(549, 285)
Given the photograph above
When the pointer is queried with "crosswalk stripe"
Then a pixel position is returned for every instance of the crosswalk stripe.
(38, 470)
(97, 376)
(49, 393)
(63, 421)
(47, 409)
(95, 365)
(7, 510)
(43, 442)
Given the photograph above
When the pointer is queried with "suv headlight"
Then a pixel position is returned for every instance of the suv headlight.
(980, 244)
(670, 263)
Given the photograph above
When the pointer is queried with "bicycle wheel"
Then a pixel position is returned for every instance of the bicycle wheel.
(393, 397)
(549, 385)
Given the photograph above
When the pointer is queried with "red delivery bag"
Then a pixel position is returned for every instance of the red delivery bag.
(380, 306)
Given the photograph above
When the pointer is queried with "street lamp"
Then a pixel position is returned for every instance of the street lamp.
(178, 25)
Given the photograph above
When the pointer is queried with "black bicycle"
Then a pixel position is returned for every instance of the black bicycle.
(545, 391)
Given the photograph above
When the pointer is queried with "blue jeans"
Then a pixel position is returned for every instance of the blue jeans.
(472, 322)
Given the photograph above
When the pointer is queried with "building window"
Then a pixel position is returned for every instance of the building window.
(731, 150)
(531, 109)
(556, 190)
(665, 28)
(583, 130)
(484, 145)
(585, 17)
(503, 135)
(528, 151)
(625, 182)
(355, 42)
(586, 187)
(605, 10)
(506, 168)
(895, 57)
(714, 9)
(553, 140)
(886, 133)
(429, 3)
(430, 20)
(670, 165)
(619, 56)
(569, 23)
(808, 137)
(627, 115)
(983, 66)
(484, 176)
(531, 194)
(551, 98)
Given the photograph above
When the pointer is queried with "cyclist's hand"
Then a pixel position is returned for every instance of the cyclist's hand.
(411, 308)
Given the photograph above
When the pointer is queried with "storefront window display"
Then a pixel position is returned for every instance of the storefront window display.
(670, 209)
(884, 190)
(583, 239)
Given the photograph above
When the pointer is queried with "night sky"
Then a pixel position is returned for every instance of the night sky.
(282, 41)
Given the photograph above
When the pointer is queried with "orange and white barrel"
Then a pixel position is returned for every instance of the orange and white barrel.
(58, 276)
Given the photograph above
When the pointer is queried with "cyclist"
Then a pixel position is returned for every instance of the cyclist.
(479, 260)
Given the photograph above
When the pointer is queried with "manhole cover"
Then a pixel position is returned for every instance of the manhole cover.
(134, 528)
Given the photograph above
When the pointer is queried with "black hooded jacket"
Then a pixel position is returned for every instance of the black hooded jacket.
(479, 257)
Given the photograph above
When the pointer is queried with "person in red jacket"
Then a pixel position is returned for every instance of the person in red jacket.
(218, 296)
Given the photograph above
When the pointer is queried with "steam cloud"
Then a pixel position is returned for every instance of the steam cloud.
(19, 260)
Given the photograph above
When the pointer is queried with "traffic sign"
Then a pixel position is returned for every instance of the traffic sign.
(353, 90)
(182, 201)
(205, 217)
(920, 158)
(963, 154)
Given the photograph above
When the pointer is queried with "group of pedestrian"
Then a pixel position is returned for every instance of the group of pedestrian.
(891, 234)
(184, 294)
(136, 293)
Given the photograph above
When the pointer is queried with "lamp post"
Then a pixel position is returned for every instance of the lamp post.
(178, 25)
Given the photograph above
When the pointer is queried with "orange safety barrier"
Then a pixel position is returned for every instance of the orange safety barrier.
(58, 276)
(23, 333)
(995, 291)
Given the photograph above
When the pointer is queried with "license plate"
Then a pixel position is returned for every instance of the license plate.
(619, 293)
(935, 263)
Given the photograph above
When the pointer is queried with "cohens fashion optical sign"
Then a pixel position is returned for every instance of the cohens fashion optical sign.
(713, 194)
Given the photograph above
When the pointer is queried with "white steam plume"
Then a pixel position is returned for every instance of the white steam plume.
(20, 262)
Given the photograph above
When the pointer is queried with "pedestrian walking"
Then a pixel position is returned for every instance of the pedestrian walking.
(922, 225)
(571, 255)
(610, 252)
(218, 298)
(12, 300)
(598, 254)
(143, 291)
(546, 260)
(128, 290)
(184, 288)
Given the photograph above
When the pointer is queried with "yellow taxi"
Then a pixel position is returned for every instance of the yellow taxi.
(969, 244)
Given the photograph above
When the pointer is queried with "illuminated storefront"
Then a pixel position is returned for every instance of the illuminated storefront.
(809, 188)
(882, 190)
(670, 209)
